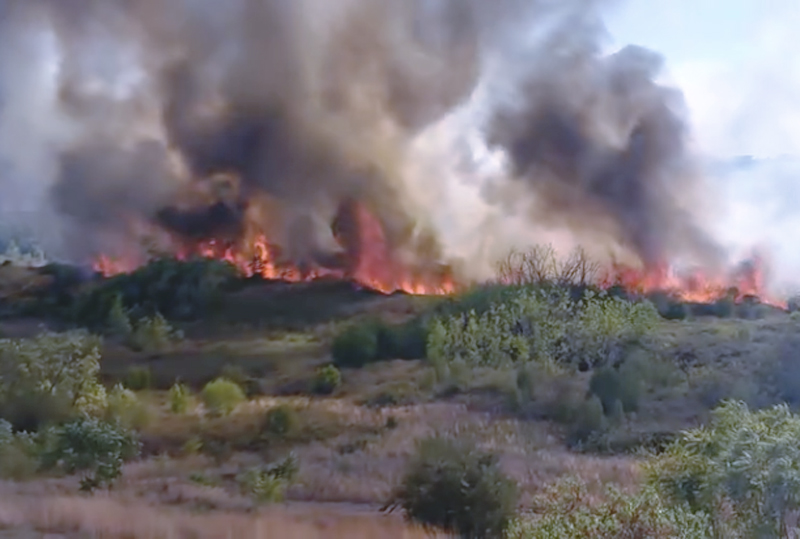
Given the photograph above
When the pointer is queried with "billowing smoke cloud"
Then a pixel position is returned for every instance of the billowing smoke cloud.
(211, 118)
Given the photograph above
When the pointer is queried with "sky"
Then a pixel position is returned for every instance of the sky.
(737, 62)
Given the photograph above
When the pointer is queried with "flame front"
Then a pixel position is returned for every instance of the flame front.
(371, 264)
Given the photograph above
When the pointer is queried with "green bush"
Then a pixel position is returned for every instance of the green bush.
(222, 396)
(405, 341)
(180, 398)
(138, 378)
(588, 422)
(119, 321)
(453, 486)
(280, 422)
(181, 290)
(743, 469)
(568, 511)
(612, 385)
(17, 461)
(153, 334)
(47, 378)
(327, 379)
(356, 346)
(545, 325)
(93, 448)
(125, 408)
(268, 484)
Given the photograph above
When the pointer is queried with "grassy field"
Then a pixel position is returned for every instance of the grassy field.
(353, 445)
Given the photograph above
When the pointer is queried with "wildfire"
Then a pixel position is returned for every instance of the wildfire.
(370, 262)
(696, 286)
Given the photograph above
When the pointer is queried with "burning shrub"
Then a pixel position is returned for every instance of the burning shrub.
(356, 346)
(181, 290)
(44, 379)
(452, 485)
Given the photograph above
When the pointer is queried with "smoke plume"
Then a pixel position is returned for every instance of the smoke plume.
(212, 119)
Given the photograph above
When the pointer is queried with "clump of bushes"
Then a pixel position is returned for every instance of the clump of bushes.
(182, 290)
(268, 484)
(452, 485)
(94, 448)
(222, 396)
(743, 469)
(566, 510)
(48, 378)
(543, 325)
(326, 380)
(375, 340)
(125, 408)
(355, 347)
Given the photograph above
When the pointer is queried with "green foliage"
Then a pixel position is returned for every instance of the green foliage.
(542, 325)
(405, 341)
(222, 396)
(268, 484)
(280, 422)
(119, 321)
(139, 378)
(588, 422)
(180, 398)
(566, 511)
(356, 346)
(153, 334)
(17, 460)
(453, 486)
(181, 290)
(327, 379)
(746, 461)
(612, 385)
(46, 378)
(125, 408)
(94, 448)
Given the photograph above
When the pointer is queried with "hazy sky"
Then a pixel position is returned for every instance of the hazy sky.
(738, 62)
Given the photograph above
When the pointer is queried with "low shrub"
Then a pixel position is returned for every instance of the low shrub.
(280, 422)
(567, 510)
(356, 346)
(222, 396)
(588, 422)
(46, 378)
(94, 448)
(405, 341)
(326, 380)
(621, 385)
(452, 485)
(180, 397)
(138, 378)
(17, 461)
(125, 409)
(153, 334)
(268, 484)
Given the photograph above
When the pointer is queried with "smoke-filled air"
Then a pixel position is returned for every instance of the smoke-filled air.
(397, 140)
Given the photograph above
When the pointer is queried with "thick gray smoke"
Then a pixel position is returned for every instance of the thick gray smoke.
(209, 119)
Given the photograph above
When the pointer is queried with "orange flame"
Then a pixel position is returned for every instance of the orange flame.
(374, 266)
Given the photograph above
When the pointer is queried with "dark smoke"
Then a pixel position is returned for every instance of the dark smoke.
(313, 104)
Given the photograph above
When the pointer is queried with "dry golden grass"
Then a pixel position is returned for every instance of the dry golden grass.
(107, 518)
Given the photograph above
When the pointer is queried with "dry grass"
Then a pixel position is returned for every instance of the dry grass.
(108, 518)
